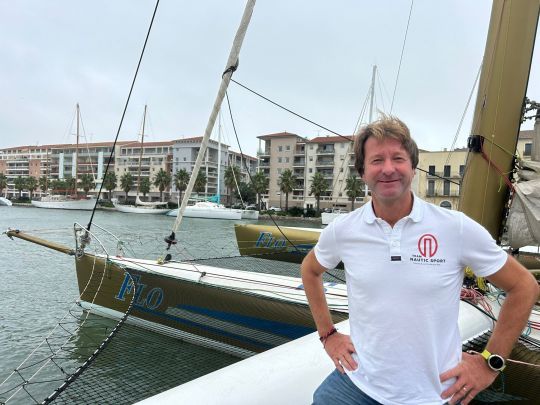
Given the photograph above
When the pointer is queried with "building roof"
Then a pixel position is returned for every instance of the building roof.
(280, 135)
(332, 139)
(526, 134)
(233, 152)
(196, 139)
(137, 144)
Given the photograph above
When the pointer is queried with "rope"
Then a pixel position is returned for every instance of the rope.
(401, 57)
(123, 114)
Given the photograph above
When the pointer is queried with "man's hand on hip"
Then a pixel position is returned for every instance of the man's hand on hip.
(472, 375)
(340, 349)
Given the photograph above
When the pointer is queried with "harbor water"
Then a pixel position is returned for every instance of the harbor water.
(38, 285)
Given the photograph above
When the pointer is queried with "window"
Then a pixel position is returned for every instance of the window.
(184, 158)
(431, 188)
(342, 145)
(279, 160)
(446, 204)
(431, 170)
(286, 160)
(311, 147)
(280, 148)
(446, 187)
(310, 170)
(461, 170)
(279, 170)
(311, 158)
(288, 147)
(528, 149)
(446, 171)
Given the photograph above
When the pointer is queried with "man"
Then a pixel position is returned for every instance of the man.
(404, 262)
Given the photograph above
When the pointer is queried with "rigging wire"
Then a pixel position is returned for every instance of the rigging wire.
(123, 114)
(401, 57)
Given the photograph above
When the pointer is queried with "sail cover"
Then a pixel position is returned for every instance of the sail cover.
(148, 204)
(524, 217)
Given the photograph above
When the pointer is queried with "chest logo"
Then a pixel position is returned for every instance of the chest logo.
(428, 245)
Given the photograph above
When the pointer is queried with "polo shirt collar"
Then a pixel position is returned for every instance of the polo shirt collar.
(415, 215)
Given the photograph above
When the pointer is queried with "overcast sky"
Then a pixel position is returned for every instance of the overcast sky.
(313, 56)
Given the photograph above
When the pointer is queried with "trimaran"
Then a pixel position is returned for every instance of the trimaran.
(245, 313)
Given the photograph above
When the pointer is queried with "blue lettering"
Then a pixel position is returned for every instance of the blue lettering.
(127, 286)
(155, 295)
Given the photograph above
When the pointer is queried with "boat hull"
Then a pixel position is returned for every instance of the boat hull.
(5, 202)
(250, 214)
(269, 242)
(212, 304)
(209, 213)
(131, 209)
(85, 205)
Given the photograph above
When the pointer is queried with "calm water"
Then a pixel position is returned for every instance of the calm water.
(39, 285)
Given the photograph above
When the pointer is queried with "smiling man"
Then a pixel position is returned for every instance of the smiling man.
(404, 260)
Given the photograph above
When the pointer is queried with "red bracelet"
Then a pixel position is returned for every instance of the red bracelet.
(327, 335)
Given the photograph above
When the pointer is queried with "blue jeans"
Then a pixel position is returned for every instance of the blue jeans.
(338, 389)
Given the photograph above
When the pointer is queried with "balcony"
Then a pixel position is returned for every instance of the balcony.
(325, 151)
(439, 175)
(438, 193)
(299, 162)
(324, 162)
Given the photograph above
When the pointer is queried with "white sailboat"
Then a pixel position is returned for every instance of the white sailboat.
(211, 209)
(5, 202)
(141, 207)
(86, 203)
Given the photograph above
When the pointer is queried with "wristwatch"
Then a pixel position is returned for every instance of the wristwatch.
(494, 361)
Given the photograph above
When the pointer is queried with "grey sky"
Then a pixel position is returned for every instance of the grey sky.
(313, 56)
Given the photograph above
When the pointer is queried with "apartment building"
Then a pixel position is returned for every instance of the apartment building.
(277, 152)
(23, 161)
(245, 163)
(155, 156)
(333, 156)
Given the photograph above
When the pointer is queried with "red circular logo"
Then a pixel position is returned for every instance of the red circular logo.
(427, 245)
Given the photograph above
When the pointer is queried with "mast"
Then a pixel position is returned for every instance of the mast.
(219, 160)
(496, 123)
(372, 93)
(232, 63)
(76, 163)
(141, 154)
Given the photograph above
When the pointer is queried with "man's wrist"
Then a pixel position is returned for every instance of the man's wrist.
(326, 335)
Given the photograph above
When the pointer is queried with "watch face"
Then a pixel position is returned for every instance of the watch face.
(496, 362)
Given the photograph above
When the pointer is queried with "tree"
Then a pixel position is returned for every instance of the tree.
(109, 182)
(246, 194)
(162, 180)
(144, 187)
(20, 185)
(57, 186)
(181, 180)
(232, 177)
(43, 184)
(318, 187)
(353, 185)
(87, 182)
(200, 182)
(260, 184)
(70, 185)
(31, 185)
(287, 182)
(126, 182)
(3, 182)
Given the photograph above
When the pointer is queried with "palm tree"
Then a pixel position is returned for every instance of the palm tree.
(286, 183)
(200, 183)
(3, 182)
(109, 182)
(57, 185)
(181, 180)
(87, 182)
(162, 180)
(31, 184)
(353, 185)
(126, 182)
(71, 185)
(144, 187)
(43, 184)
(260, 184)
(20, 185)
(232, 176)
(245, 193)
(318, 187)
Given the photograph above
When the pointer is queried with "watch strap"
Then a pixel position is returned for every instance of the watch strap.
(485, 354)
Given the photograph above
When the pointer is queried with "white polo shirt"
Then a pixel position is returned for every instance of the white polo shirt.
(403, 285)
